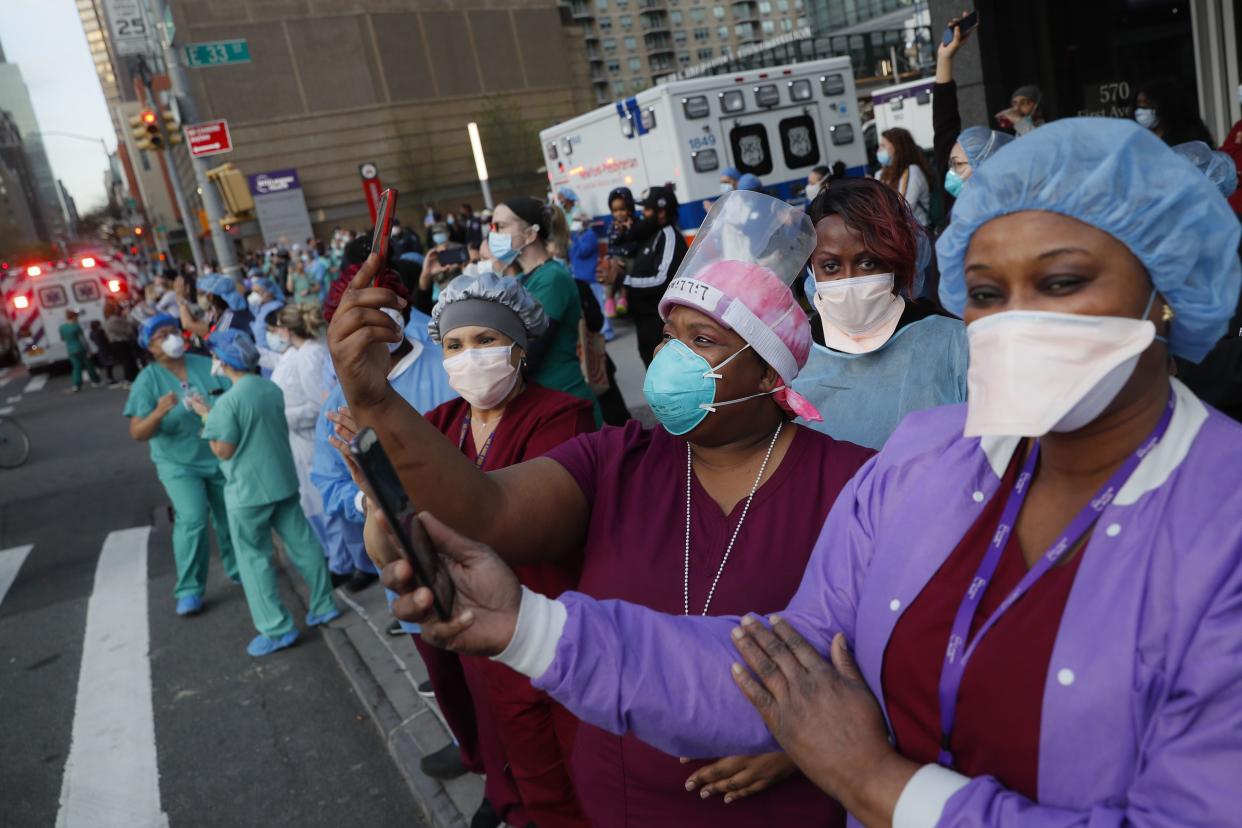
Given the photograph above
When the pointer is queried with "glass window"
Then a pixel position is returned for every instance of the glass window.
(799, 142)
(631, 44)
(638, 85)
(675, 17)
(552, 154)
(605, 24)
(705, 160)
(648, 119)
(636, 64)
(614, 66)
(702, 34)
(782, 5)
(602, 5)
(800, 90)
(718, 12)
(786, 24)
(683, 58)
(832, 84)
(769, 26)
(696, 106)
(698, 15)
(627, 22)
(679, 37)
(610, 44)
(842, 134)
(801, 22)
(627, 126)
(767, 95)
(722, 32)
(923, 98)
(623, 4)
(618, 87)
(897, 104)
(53, 296)
(765, 7)
(567, 149)
(86, 291)
(750, 147)
(798, 5)
(705, 54)
(732, 101)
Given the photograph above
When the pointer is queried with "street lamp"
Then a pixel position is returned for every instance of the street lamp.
(480, 165)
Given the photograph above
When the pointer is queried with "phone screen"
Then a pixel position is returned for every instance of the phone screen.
(454, 255)
(395, 504)
(383, 224)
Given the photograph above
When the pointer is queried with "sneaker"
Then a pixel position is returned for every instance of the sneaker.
(116, 384)
(445, 764)
(485, 817)
(340, 580)
(75, 389)
(361, 580)
(395, 629)
(610, 307)
(189, 605)
(96, 384)
(313, 620)
(623, 306)
(261, 645)
(424, 689)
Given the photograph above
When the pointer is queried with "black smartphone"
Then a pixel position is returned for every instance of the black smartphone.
(964, 25)
(396, 506)
(454, 255)
(383, 226)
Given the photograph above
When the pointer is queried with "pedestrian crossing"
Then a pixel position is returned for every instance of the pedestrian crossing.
(13, 378)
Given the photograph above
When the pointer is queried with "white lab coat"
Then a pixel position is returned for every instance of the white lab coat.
(299, 373)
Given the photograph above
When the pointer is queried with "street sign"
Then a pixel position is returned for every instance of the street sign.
(129, 26)
(217, 53)
(371, 186)
(208, 138)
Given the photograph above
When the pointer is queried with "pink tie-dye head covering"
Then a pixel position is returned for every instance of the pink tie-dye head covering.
(751, 300)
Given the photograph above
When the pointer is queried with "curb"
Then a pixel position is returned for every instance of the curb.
(407, 739)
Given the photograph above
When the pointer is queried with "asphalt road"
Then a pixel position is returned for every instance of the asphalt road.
(115, 711)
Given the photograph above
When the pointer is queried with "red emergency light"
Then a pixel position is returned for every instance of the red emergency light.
(114, 285)
(34, 270)
(88, 261)
(21, 302)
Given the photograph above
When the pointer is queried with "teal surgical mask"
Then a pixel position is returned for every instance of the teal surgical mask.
(953, 183)
(681, 387)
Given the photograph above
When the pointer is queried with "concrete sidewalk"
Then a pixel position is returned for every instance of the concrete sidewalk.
(385, 670)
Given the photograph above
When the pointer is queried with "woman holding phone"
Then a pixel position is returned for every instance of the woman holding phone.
(485, 324)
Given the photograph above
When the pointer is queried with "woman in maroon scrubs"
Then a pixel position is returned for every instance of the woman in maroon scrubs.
(714, 511)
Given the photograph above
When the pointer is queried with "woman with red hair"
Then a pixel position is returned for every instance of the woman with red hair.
(877, 355)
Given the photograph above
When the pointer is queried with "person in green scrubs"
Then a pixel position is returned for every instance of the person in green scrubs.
(247, 430)
(159, 414)
(79, 354)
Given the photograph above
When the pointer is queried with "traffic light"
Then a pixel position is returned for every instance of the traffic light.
(137, 231)
(146, 131)
(172, 127)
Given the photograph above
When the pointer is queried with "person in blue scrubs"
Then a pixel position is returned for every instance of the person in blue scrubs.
(877, 355)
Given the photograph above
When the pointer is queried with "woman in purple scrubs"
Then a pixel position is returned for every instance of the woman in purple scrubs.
(1024, 611)
(712, 513)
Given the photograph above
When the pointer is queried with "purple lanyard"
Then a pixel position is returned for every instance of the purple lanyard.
(481, 455)
(955, 657)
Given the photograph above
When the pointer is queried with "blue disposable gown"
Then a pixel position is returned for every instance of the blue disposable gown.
(863, 397)
(424, 385)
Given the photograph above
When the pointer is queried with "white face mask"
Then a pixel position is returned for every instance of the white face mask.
(1146, 117)
(217, 368)
(726, 187)
(173, 346)
(483, 376)
(395, 316)
(1032, 372)
(859, 313)
(813, 191)
(254, 299)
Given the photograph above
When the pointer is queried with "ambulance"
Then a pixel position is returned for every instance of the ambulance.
(907, 105)
(35, 301)
(776, 123)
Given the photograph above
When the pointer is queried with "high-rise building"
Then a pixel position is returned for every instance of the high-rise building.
(15, 99)
(20, 186)
(632, 44)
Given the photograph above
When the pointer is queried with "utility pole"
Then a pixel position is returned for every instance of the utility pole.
(226, 253)
(144, 74)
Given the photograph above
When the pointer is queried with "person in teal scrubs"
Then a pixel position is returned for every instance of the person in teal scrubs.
(79, 354)
(159, 414)
(247, 430)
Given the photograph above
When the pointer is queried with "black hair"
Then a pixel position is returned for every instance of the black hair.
(533, 211)
(822, 171)
(625, 195)
(1177, 112)
(357, 250)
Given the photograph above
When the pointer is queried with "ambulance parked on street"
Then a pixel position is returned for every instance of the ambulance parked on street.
(776, 123)
(907, 105)
(36, 300)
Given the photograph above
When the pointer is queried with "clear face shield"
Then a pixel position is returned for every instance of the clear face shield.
(747, 226)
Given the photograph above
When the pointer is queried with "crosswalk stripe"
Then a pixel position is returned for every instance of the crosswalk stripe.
(112, 777)
(6, 410)
(36, 384)
(11, 561)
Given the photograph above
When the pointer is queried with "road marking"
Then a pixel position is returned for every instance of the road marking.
(14, 399)
(36, 383)
(11, 561)
(4, 411)
(112, 777)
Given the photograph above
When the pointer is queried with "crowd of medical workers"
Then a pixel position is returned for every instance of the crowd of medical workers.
(929, 529)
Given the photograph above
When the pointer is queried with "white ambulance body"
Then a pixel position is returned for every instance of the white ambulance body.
(776, 123)
(37, 299)
(907, 105)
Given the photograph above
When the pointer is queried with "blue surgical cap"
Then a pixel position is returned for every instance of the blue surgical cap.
(980, 143)
(1216, 165)
(567, 194)
(270, 285)
(749, 181)
(1116, 176)
(223, 287)
(160, 320)
(731, 172)
(234, 348)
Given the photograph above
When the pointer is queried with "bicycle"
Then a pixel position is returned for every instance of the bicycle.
(14, 444)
